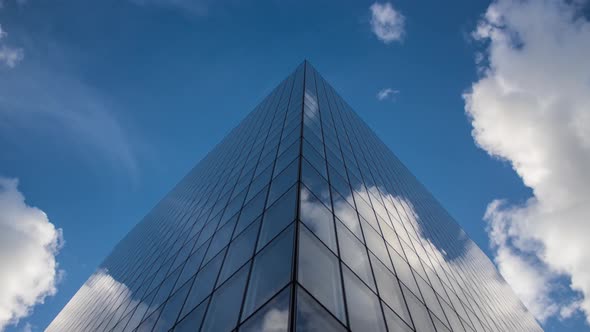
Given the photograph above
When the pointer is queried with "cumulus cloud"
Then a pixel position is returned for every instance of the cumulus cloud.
(387, 23)
(531, 107)
(387, 93)
(29, 243)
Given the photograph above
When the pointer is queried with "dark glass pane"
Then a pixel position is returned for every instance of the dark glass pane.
(224, 309)
(203, 283)
(240, 251)
(192, 321)
(273, 317)
(271, 271)
(219, 241)
(171, 310)
(251, 210)
(278, 216)
(311, 317)
(192, 265)
(283, 181)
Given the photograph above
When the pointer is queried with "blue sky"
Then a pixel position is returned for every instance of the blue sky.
(105, 105)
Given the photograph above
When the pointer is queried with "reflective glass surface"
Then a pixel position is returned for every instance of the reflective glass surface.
(300, 219)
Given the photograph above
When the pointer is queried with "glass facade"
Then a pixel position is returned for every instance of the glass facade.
(301, 219)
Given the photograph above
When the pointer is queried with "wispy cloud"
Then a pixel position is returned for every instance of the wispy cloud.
(387, 23)
(9, 55)
(41, 98)
(29, 243)
(531, 108)
(196, 7)
(40, 102)
(387, 93)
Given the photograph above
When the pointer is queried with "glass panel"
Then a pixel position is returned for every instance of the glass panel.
(420, 315)
(347, 214)
(319, 273)
(251, 210)
(430, 298)
(192, 265)
(224, 309)
(364, 310)
(390, 290)
(219, 241)
(376, 244)
(193, 320)
(277, 217)
(394, 322)
(203, 283)
(315, 182)
(354, 254)
(273, 317)
(283, 181)
(319, 219)
(171, 310)
(402, 269)
(240, 251)
(312, 317)
(271, 271)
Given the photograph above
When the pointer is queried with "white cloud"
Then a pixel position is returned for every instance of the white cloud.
(387, 93)
(531, 107)
(9, 56)
(29, 243)
(387, 23)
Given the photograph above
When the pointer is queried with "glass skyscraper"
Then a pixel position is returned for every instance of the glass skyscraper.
(301, 219)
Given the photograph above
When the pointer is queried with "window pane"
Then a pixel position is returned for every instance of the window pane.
(315, 182)
(354, 254)
(171, 310)
(283, 181)
(311, 317)
(389, 289)
(376, 244)
(251, 210)
(277, 217)
(364, 310)
(225, 304)
(273, 317)
(219, 241)
(193, 320)
(203, 283)
(271, 271)
(402, 269)
(394, 322)
(319, 219)
(240, 251)
(319, 273)
(419, 313)
(347, 214)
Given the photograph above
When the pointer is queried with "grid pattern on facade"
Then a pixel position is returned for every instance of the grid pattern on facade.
(301, 219)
